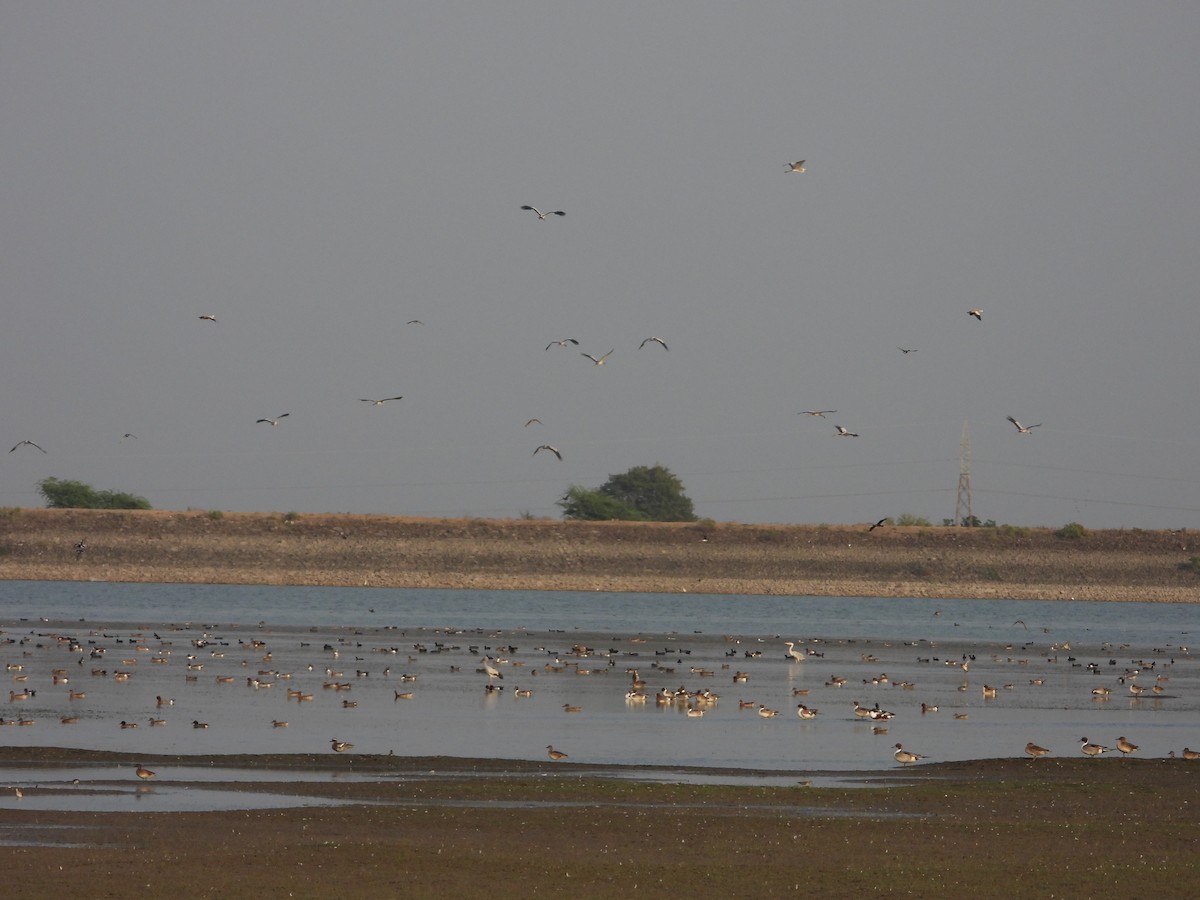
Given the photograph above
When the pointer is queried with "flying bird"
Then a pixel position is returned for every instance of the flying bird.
(208, 318)
(414, 322)
(129, 434)
(562, 343)
(380, 402)
(842, 432)
(1021, 428)
(553, 450)
(340, 746)
(656, 340)
(600, 361)
(23, 443)
(878, 524)
(815, 412)
(796, 166)
(977, 313)
(542, 215)
(531, 421)
(274, 421)
(907, 350)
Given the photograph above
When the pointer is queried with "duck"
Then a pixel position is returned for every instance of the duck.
(1125, 746)
(1191, 754)
(555, 755)
(904, 757)
(198, 724)
(805, 712)
(144, 773)
(1092, 749)
(340, 746)
(1035, 751)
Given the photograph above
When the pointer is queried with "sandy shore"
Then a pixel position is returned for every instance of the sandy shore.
(726, 558)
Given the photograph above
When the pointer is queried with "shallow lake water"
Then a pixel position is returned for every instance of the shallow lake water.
(227, 656)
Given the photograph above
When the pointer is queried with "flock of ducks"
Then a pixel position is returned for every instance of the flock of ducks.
(493, 664)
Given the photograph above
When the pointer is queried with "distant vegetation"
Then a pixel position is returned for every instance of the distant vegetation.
(1072, 531)
(62, 494)
(644, 493)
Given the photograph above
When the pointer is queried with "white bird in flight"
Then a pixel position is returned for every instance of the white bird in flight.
(796, 166)
(820, 413)
(600, 361)
(208, 318)
(656, 340)
(274, 421)
(842, 432)
(553, 450)
(23, 443)
(1021, 428)
(562, 343)
(380, 402)
(977, 313)
(542, 215)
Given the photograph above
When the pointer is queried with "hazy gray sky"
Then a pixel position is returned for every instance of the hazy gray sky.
(317, 174)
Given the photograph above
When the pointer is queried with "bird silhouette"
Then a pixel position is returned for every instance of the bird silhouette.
(655, 340)
(600, 361)
(274, 421)
(562, 343)
(553, 450)
(23, 443)
(542, 215)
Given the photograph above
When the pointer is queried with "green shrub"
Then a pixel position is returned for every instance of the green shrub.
(1072, 531)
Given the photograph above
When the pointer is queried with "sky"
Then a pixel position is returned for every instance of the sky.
(316, 175)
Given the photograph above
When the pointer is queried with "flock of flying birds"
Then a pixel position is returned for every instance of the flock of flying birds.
(795, 167)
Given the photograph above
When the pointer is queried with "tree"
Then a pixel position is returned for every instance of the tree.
(650, 493)
(61, 494)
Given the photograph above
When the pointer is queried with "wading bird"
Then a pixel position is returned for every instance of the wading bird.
(1021, 428)
(542, 215)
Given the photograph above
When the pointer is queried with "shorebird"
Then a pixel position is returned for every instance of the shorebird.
(274, 421)
(842, 432)
(208, 318)
(379, 402)
(555, 755)
(906, 756)
(144, 773)
(542, 215)
(600, 361)
(820, 413)
(796, 166)
(1125, 747)
(553, 450)
(656, 340)
(340, 746)
(1035, 751)
(562, 343)
(878, 524)
(977, 313)
(23, 443)
(1021, 428)
(1092, 749)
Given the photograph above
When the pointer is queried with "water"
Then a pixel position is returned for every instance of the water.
(376, 635)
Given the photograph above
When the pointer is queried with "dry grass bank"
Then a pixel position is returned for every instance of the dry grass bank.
(385, 551)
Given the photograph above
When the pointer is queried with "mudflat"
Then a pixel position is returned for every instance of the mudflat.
(702, 557)
(1070, 827)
